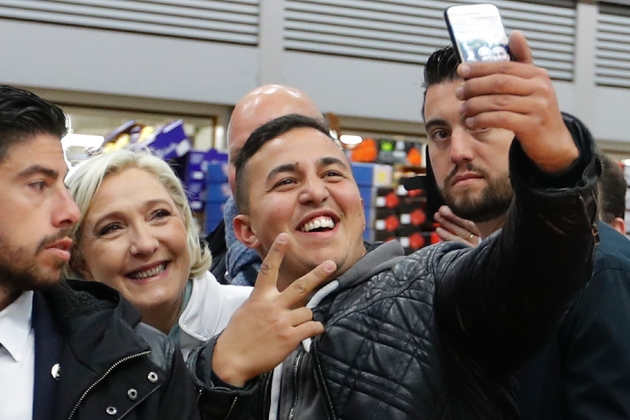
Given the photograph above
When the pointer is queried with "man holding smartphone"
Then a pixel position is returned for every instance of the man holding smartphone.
(435, 335)
(584, 371)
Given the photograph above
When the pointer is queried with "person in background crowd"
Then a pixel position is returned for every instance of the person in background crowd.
(72, 350)
(584, 371)
(233, 262)
(612, 188)
(436, 334)
(136, 235)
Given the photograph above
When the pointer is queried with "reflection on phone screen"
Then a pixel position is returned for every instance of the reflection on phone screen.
(477, 32)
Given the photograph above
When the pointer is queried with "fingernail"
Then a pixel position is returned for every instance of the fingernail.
(463, 70)
(462, 110)
(282, 238)
(330, 266)
(459, 93)
(469, 122)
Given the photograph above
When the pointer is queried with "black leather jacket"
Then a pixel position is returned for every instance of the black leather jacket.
(438, 334)
(111, 365)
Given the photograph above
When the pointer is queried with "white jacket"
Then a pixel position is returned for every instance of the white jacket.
(209, 310)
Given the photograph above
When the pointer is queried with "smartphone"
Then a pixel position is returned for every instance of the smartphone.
(477, 32)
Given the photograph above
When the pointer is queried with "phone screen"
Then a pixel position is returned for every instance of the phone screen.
(477, 32)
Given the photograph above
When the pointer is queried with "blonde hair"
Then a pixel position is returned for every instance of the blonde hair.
(86, 179)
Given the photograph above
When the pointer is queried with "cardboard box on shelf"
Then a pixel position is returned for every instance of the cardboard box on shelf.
(170, 141)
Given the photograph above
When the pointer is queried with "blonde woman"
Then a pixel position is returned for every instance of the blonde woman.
(136, 235)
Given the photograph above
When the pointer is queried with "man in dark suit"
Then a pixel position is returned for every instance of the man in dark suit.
(67, 349)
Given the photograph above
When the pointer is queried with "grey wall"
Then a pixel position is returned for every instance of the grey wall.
(102, 61)
(90, 60)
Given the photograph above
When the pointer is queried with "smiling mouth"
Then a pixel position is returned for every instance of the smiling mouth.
(319, 224)
(144, 274)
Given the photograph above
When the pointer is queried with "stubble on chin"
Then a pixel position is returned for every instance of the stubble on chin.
(491, 202)
(20, 270)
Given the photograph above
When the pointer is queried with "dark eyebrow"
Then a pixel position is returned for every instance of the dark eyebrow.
(292, 167)
(327, 161)
(38, 169)
(287, 167)
(436, 121)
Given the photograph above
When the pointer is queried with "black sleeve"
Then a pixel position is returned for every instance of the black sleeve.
(499, 302)
(218, 400)
(178, 401)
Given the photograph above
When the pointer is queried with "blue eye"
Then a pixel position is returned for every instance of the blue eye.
(109, 229)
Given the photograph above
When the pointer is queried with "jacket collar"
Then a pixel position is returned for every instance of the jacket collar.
(379, 258)
(98, 328)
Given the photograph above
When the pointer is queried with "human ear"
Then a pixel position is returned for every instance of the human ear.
(244, 232)
(619, 225)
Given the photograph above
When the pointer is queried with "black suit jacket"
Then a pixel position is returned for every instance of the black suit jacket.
(48, 346)
(583, 373)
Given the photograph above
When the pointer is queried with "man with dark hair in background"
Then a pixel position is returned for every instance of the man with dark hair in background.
(437, 334)
(74, 350)
(584, 371)
(612, 187)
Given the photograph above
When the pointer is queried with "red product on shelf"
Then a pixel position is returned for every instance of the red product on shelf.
(416, 240)
(415, 193)
(391, 200)
(392, 223)
(418, 217)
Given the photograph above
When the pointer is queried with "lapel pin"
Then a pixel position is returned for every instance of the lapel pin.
(55, 371)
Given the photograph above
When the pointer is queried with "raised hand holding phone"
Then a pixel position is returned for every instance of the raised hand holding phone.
(520, 97)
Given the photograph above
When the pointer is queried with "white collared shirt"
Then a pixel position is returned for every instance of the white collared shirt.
(17, 359)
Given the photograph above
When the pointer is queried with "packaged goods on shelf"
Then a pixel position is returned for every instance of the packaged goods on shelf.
(168, 142)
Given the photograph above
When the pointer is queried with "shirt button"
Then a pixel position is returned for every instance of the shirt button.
(132, 394)
(152, 377)
(111, 411)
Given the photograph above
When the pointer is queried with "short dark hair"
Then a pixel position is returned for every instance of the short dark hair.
(259, 137)
(612, 188)
(440, 67)
(24, 114)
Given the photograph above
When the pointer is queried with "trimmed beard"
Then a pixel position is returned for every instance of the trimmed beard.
(493, 201)
(19, 270)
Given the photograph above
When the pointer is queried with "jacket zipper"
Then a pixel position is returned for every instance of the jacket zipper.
(296, 387)
(99, 380)
(592, 222)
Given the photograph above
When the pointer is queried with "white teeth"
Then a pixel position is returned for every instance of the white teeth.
(325, 222)
(148, 273)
